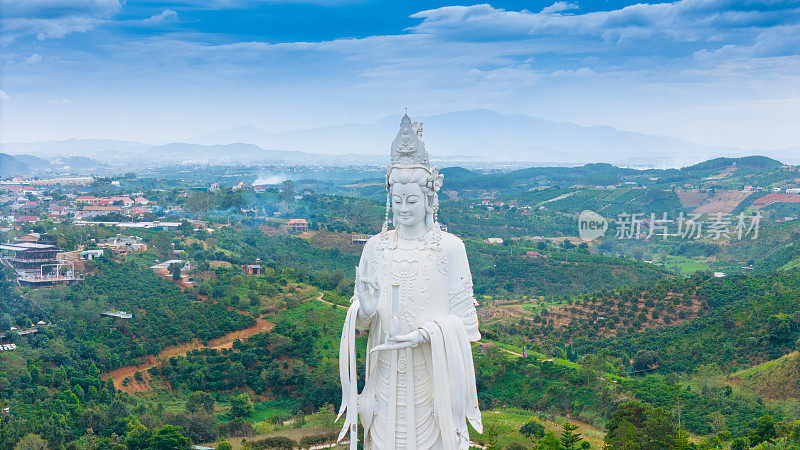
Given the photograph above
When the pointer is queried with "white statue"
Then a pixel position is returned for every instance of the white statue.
(414, 294)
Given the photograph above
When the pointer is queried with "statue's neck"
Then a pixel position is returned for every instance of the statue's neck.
(412, 232)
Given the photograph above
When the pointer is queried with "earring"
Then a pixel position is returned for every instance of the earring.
(386, 216)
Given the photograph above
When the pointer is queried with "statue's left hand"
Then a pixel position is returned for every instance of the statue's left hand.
(402, 341)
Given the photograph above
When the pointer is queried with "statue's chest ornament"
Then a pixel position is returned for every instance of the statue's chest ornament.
(405, 269)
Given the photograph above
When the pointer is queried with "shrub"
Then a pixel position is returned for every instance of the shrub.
(532, 429)
(281, 442)
(318, 439)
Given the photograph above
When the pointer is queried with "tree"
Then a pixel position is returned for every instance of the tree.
(186, 228)
(549, 442)
(568, 436)
(644, 359)
(532, 429)
(163, 244)
(31, 442)
(764, 431)
(224, 445)
(228, 198)
(636, 425)
(6, 322)
(241, 406)
(175, 270)
(200, 400)
(169, 437)
(287, 191)
(740, 443)
(198, 202)
(138, 436)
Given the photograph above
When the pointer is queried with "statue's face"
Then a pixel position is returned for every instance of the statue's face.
(408, 203)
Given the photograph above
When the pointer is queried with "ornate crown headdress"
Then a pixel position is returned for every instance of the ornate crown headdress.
(408, 152)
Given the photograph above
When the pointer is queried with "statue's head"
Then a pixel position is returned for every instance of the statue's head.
(411, 183)
(411, 198)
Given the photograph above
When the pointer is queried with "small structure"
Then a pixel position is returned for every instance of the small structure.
(298, 225)
(719, 274)
(105, 209)
(253, 269)
(360, 238)
(37, 264)
(123, 245)
(30, 237)
(117, 314)
(185, 265)
(91, 254)
(29, 255)
(7, 348)
(58, 210)
(27, 331)
(497, 241)
(91, 199)
(27, 219)
(533, 254)
(485, 346)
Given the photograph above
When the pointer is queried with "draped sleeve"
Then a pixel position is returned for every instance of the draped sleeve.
(462, 300)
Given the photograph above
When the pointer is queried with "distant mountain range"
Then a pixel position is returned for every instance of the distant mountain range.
(488, 134)
(475, 135)
(11, 166)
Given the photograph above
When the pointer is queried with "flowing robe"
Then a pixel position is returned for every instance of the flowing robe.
(419, 397)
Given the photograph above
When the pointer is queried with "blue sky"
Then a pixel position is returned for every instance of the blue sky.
(715, 72)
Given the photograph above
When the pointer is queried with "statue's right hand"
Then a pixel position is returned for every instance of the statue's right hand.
(368, 293)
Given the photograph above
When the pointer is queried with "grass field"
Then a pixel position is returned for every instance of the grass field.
(686, 266)
(505, 421)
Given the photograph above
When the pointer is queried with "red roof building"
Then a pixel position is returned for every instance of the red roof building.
(299, 225)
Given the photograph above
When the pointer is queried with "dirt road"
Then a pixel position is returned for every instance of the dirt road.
(221, 342)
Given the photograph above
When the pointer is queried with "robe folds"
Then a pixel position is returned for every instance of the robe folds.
(420, 397)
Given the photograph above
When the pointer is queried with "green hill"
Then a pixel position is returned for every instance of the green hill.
(777, 379)
(751, 319)
(12, 167)
(747, 162)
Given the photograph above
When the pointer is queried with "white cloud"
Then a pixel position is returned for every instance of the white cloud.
(53, 18)
(167, 15)
(562, 66)
(558, 7)
(582, 72)
(3, 95)
(33, 59)
(59, 100)
(687, 21)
